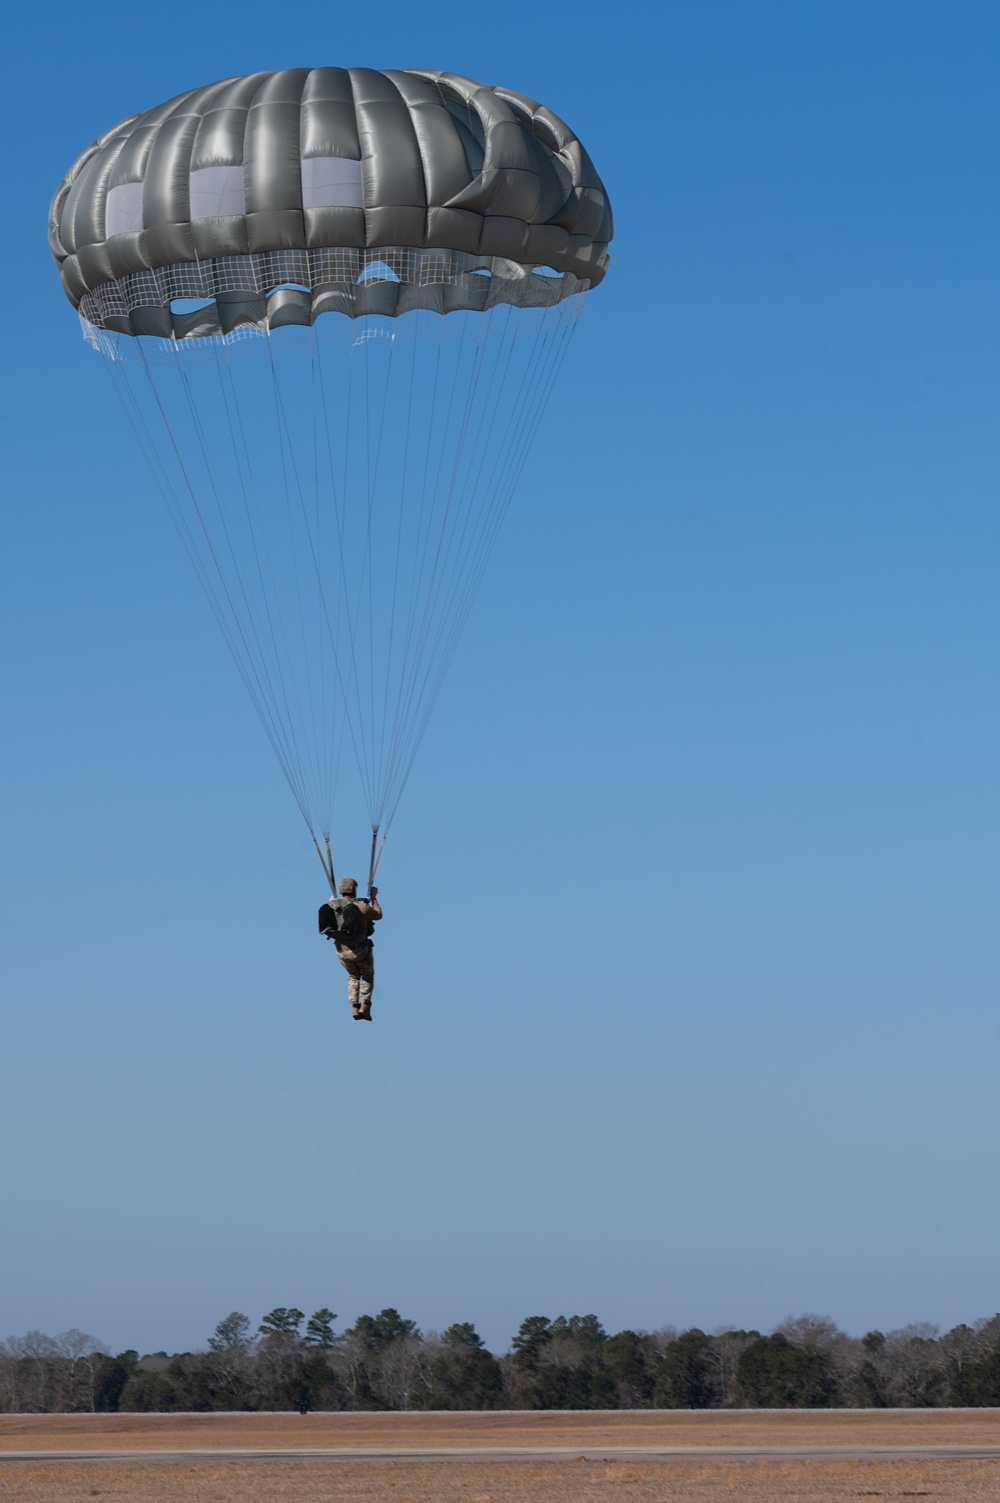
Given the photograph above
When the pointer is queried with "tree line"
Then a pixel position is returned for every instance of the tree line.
(384, 1362)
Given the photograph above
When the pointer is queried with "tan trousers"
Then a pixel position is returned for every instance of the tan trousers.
(360, 968)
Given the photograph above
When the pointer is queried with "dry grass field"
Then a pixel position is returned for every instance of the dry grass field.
(687, 1481)
(465, 1478)
(556, 1429)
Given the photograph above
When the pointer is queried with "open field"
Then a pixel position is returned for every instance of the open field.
(684, 1479)
(502, 1458)
(519, 1430)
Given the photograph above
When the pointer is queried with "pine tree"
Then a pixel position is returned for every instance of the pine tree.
(319, 1331)
(281, 1322)
(231, 1334)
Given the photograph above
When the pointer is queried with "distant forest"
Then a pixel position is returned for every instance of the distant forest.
(384, 1362)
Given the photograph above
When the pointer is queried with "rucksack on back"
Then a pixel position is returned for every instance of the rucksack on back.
(341, 919)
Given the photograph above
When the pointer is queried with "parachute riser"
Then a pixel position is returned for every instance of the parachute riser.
(376, 856)
(326, 862)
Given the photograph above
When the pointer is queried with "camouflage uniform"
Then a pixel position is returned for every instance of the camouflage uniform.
(358, 961)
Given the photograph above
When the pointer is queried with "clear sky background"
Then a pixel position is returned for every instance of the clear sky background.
(687, 993)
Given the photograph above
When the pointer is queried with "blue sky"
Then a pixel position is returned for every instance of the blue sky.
(687, 992)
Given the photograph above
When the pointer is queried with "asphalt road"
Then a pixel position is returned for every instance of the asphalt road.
(499, 1453)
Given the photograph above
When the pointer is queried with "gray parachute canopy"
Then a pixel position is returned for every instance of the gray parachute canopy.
(280, 196)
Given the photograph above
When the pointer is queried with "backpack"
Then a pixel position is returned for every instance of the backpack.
(342, 920)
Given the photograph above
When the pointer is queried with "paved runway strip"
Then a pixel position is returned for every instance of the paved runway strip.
(479, 1453)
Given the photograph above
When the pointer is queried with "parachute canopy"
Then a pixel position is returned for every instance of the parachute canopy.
(286, 180)
(337, 483)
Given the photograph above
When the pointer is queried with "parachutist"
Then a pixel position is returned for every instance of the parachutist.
(350, 922)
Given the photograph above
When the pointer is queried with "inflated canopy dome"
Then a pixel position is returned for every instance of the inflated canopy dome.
(281, 196)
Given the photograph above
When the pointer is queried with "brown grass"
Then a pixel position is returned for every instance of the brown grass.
(683, 1480)
(654, 1428)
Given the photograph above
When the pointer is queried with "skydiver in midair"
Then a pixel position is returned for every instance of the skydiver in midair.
(354, 944)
